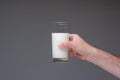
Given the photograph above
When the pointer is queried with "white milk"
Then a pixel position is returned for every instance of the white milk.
(56, 39)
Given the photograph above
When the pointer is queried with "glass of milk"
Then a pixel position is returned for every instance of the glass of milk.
(61, 34)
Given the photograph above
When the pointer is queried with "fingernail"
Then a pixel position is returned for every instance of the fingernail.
(61, 45)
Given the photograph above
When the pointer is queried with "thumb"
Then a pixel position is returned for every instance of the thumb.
(65, 44)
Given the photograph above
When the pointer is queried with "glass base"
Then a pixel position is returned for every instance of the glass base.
(60, 59)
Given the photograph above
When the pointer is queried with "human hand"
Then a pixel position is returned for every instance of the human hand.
(77, 47)
(81, 49)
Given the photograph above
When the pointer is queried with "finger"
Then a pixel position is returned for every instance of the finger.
(71, 37)
(70, 53)
(61, 45)
(65, 44)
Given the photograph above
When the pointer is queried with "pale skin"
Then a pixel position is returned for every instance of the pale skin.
(83, 50)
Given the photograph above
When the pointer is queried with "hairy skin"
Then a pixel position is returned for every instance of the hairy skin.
(81, 49)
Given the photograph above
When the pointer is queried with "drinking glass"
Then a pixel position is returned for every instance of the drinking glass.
(61, 34)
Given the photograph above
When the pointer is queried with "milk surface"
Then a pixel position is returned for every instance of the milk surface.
(56, 39)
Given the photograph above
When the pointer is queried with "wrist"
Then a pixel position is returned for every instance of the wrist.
(92, 54)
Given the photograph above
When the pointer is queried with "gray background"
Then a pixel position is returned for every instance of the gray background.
(25, 37)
